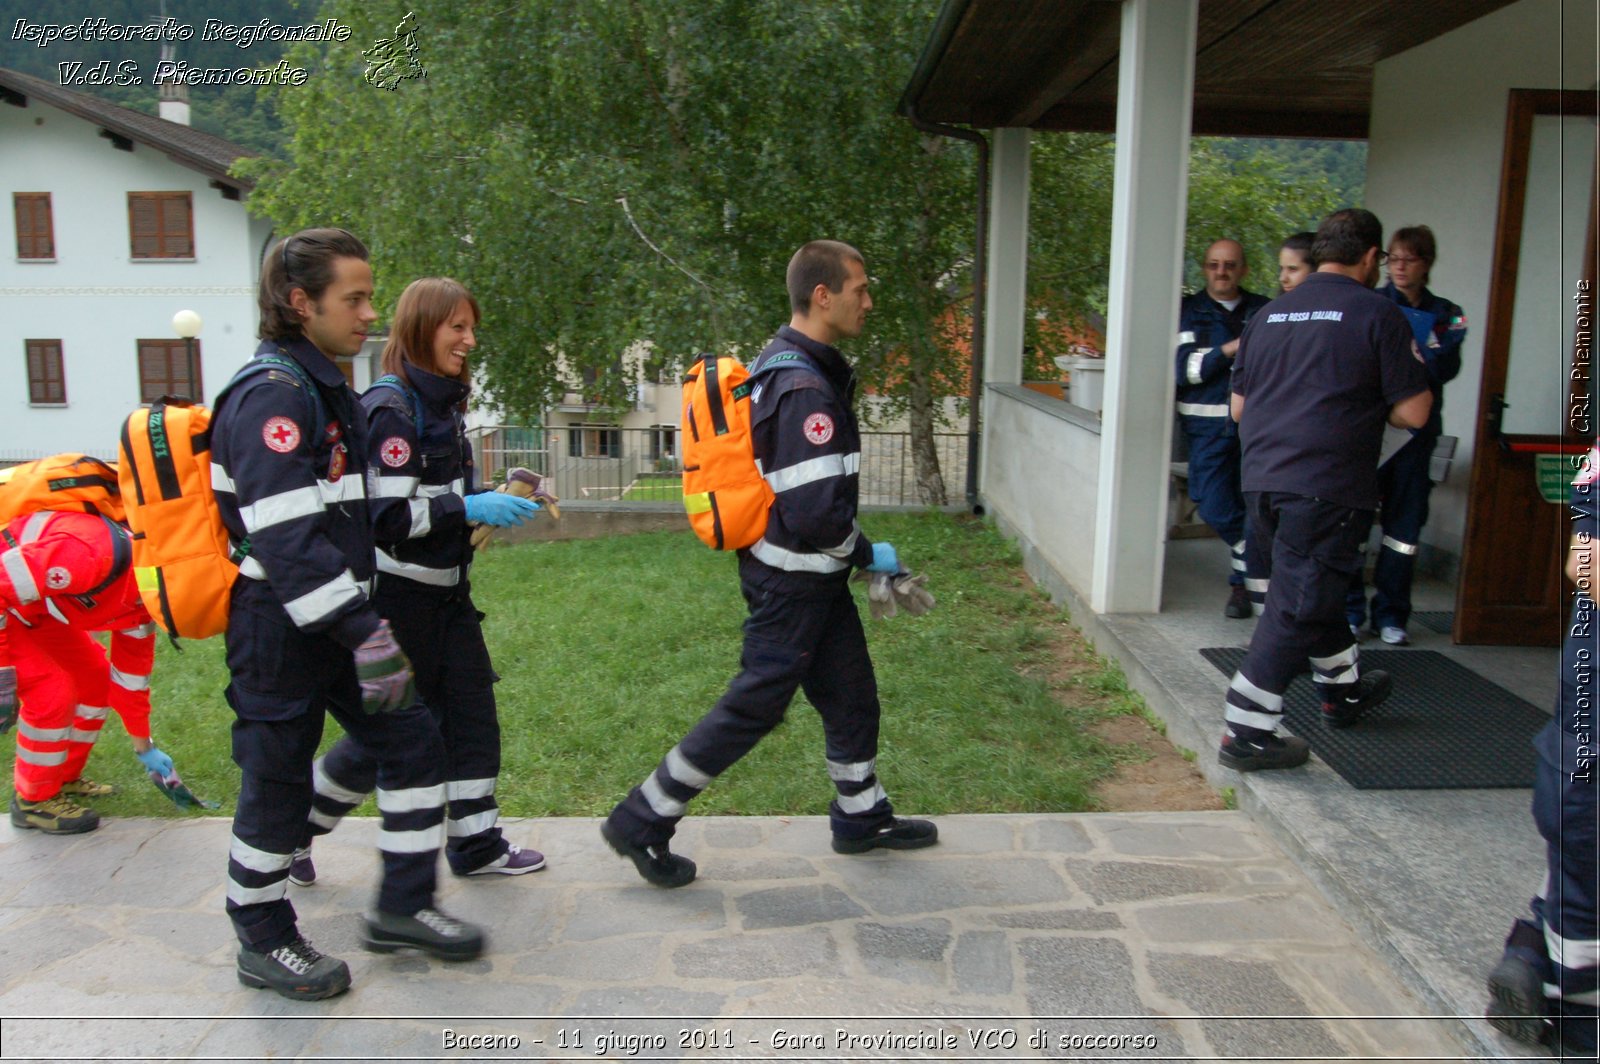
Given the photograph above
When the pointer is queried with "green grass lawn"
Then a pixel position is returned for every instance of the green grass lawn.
(655, 489)
(609, 649)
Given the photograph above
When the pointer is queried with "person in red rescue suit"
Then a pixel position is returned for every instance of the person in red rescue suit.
(803, 631)
(64, 575)
(421, 508)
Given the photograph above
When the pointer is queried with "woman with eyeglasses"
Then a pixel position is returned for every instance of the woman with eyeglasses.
(1439, 327)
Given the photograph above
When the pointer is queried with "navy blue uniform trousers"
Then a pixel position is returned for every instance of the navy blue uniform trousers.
(1405, 486)
(284, 682)
(1307, 549)
(1214, 488)
(801, 634)
(442, 635)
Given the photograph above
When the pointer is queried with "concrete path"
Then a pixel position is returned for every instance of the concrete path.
(1099, 937)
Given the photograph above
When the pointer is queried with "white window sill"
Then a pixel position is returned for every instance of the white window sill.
(139, 261)
(47, 406)
(34, 262)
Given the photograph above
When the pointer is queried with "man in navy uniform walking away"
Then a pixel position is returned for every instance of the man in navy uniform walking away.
(1318, 374)
(1209, 325)
(803, 631)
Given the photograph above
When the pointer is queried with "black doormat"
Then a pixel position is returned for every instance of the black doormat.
(1441, 621)
(1444, 727)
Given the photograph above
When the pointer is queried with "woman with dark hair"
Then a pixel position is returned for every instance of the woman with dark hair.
(422, 510)
(1294, 261)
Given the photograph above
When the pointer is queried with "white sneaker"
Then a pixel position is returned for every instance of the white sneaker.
(1395, 637)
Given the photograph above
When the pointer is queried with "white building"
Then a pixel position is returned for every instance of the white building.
(117, 221)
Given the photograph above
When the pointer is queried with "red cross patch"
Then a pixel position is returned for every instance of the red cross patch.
(280, 434)
(57, 577)
(819, 429)
(396, 452)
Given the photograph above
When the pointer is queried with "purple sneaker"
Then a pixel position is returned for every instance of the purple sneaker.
(302, 873)
(514, 862)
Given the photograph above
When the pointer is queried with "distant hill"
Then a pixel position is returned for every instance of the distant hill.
(1343, 162)
(235, 112)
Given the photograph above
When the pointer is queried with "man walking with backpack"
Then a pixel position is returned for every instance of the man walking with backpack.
(290, 451)
(803, 631)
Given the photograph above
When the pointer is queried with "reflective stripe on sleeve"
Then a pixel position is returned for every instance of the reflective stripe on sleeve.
(1203, 409)
(422, 574)
(433, 491)
(21, 577)
(814, 469)
(794, 562)
(397, 487)
(421, 517)
(1197, 360)
(323, 602)
(1399, 548)
(276, 509)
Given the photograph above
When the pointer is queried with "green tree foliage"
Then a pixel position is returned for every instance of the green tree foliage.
(606, 172)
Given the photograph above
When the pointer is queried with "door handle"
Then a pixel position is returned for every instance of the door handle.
(1497, 410)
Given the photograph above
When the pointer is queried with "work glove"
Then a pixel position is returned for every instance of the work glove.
(525, 484)
(884, 559)
(384, 672)
(880, 594)
(500, 510)
(911, 594)
(8, 697)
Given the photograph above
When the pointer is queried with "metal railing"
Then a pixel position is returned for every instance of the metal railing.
(604, 464)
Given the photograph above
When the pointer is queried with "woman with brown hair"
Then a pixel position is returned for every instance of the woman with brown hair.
(422, 511)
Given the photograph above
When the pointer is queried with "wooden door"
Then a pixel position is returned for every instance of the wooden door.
(1535, 401)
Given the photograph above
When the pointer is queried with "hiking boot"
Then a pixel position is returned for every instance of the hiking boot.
(897, 834)
(53, 816)
(657, 864)
(84, 787)
(1271, 751)
(430, 931)
(302, 872)
(1394, 635)
(1516, 1000)
(296, 971)
(514, 862)
(1370, 690)
(1238, 606)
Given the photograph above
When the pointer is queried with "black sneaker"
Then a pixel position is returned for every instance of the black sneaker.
(430, 931)
(1516, 1001)
(657, 864)
(296, 971)
(1238, 606)
(1272, 751)
(1371, 689)
(897, 834)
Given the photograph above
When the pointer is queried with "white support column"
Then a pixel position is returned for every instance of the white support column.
(1155, 96)
(1007, 302)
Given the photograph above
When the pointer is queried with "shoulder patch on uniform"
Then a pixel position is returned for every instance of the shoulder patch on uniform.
(395, 451)
(818, 428)
(57, 577)
(280, 434)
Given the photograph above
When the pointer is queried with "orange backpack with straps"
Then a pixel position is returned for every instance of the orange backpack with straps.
(60, 482)
(724, 493)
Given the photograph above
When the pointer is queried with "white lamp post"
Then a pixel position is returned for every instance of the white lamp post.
(186, 323)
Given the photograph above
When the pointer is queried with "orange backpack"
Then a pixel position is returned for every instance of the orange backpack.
(724, 493)
(60, 482)
(183, 560)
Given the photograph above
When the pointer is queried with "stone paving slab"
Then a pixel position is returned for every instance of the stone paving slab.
(1094, 937)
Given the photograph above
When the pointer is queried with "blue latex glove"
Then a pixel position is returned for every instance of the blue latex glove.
(884, 559)
(499, 509)
(155, 761)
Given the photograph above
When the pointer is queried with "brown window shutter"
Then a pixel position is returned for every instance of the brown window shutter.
(144, 225)
(46, 376)
(35, 238)
(177, 228)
